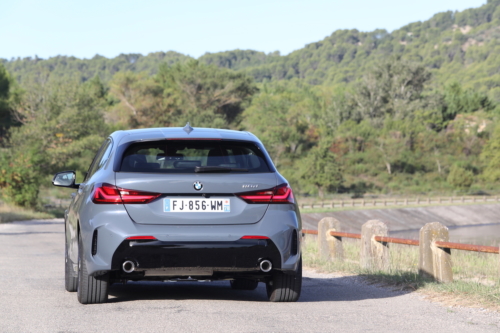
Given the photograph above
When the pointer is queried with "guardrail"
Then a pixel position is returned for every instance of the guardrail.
(435, 259)
(399, 202)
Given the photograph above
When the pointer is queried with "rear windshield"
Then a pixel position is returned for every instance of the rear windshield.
(184, 156)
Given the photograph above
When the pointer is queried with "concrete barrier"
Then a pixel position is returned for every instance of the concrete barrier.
(435, 262)
(329, 246)
(374, 255)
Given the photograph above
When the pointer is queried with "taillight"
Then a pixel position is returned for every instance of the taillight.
(281, 194)
(109, 194)
(106, 194)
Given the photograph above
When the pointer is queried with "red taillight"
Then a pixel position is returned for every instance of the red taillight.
(141, 238)
(191, 139)
(257, 196)
(283, 194)
(106, 194)
(110, 194)
(279, 194)
(254, 237)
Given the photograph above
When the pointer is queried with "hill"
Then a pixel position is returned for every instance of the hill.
(455, 46)
(413, 111)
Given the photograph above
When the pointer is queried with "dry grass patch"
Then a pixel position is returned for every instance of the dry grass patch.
(476, 275)
(9, 213)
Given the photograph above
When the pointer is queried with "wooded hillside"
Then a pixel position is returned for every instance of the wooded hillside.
(408, 112)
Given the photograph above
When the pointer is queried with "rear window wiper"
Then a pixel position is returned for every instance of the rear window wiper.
(217, 169)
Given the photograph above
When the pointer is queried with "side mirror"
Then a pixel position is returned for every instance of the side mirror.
(65, 179)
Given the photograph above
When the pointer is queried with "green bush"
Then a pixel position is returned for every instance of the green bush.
(20, 177)
(460, 178)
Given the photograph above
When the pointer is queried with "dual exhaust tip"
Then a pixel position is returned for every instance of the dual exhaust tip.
(265, 265)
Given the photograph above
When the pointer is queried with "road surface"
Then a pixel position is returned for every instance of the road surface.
(33, 299)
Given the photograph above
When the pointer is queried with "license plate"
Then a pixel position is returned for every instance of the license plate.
(197, 205)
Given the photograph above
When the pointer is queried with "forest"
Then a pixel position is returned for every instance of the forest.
(411, 112)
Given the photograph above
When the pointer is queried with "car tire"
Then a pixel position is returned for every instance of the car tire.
(91, 289)
(70, 276)
(285, 287)
(244, 284)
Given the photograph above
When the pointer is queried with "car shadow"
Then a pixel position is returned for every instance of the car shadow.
(349, 288)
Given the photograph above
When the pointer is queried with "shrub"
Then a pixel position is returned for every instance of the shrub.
(460, 177)
(20, 177)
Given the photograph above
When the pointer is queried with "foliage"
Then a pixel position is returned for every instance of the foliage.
(490, 156)
(20, 177)
(455, 46)
(411, 111)
(208, 96)
(322, 170)
(204, 95)
(392, 88)
(460, 177)
(8, 93)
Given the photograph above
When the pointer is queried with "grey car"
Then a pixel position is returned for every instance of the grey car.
(182, 204)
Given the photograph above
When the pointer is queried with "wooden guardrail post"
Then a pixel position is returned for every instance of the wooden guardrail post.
(374, 255)
(329, 246)
(435, 262)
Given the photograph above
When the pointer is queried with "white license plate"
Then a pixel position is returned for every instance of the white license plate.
(220, 205)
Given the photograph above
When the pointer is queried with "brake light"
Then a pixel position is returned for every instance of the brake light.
(281, 194)
(109, 194)
(195, 139)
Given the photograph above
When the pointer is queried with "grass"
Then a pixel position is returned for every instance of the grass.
(476, 275)
(10, 213)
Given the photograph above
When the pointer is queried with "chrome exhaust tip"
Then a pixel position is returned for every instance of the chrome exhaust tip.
(265, 265)
(128, 266)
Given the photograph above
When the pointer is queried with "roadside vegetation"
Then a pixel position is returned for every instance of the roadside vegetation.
(412, 112)
(476, 275)
(10, 213)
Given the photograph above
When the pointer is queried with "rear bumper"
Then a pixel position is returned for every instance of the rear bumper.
(217, 246)
(240, 255)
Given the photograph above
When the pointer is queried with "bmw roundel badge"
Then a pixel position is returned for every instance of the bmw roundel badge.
(197, 186)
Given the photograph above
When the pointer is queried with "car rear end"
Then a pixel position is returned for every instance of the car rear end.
(210, 207)
(199, 205)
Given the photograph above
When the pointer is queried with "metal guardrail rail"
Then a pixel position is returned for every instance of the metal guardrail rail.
(399, 202)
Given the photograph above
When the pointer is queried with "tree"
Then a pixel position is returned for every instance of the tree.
(206, 95)
(490, 156)
(280, 116)
(392, 88)
(321, 169)
(6, 113)
(460, 177)
(460, 101)
(20, 177)
(62, 126)
(142, 102)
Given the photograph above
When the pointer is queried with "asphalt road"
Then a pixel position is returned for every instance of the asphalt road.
(33, 299)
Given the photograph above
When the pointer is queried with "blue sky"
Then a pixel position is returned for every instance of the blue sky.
(85, 28)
